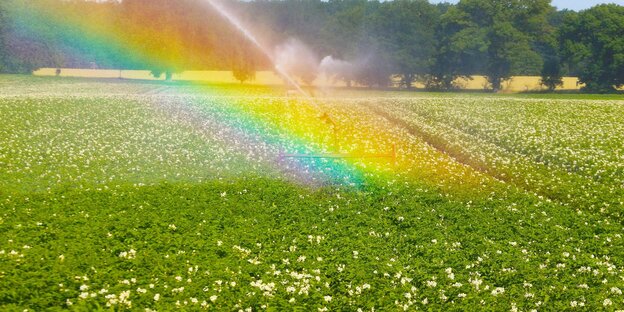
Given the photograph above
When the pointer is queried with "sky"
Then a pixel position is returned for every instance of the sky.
(566, 4)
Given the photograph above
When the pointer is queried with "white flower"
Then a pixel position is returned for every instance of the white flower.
(131, 254)
(450, 274)
(213, 298)
(476, 283)
(156, 297)
(607, 302)
(327, 298)
(498, 290)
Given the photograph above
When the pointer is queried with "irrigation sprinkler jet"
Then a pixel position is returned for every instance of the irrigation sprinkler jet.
(324, 116)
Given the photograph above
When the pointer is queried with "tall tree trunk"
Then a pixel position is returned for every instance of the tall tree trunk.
(496, 83)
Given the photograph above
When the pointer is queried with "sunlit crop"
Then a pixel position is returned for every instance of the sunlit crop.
(156, 197)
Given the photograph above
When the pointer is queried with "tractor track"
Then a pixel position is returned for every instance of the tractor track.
(443, 147)
(432, 141)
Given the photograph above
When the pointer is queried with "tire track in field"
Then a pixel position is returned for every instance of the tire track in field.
(456, 153)
(440, 145)
(157, 90)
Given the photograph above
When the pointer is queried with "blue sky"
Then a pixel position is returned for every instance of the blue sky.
(566, 4)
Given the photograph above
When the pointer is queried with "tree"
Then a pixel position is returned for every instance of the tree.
(457, 51)
(374, 69)
(244, 71)
(27, 40)
(243, 67)
(405, 29)
(551, 73)
(592, 42)
(553, 70)
(3, 28)
(347, 35)
(501, 33)
(369, 42)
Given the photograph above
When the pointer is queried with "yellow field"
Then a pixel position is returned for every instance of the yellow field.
(518, 83)
(515, 84)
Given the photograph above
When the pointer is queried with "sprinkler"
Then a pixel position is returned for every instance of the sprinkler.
(324, 116)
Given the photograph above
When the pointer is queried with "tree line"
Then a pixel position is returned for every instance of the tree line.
(379, 43)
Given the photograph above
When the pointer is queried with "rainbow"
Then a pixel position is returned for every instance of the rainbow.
(101, 35)
(93, 34)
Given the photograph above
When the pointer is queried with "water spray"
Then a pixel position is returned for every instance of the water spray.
(236, 23)
(324, 116)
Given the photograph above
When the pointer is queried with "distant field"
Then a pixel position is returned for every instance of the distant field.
(516, 84)
(150, 195)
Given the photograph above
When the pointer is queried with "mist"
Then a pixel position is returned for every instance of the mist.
(297, 59)
(335, 69)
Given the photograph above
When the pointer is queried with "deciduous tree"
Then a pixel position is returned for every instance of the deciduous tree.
(593, 43)
(499, 35)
